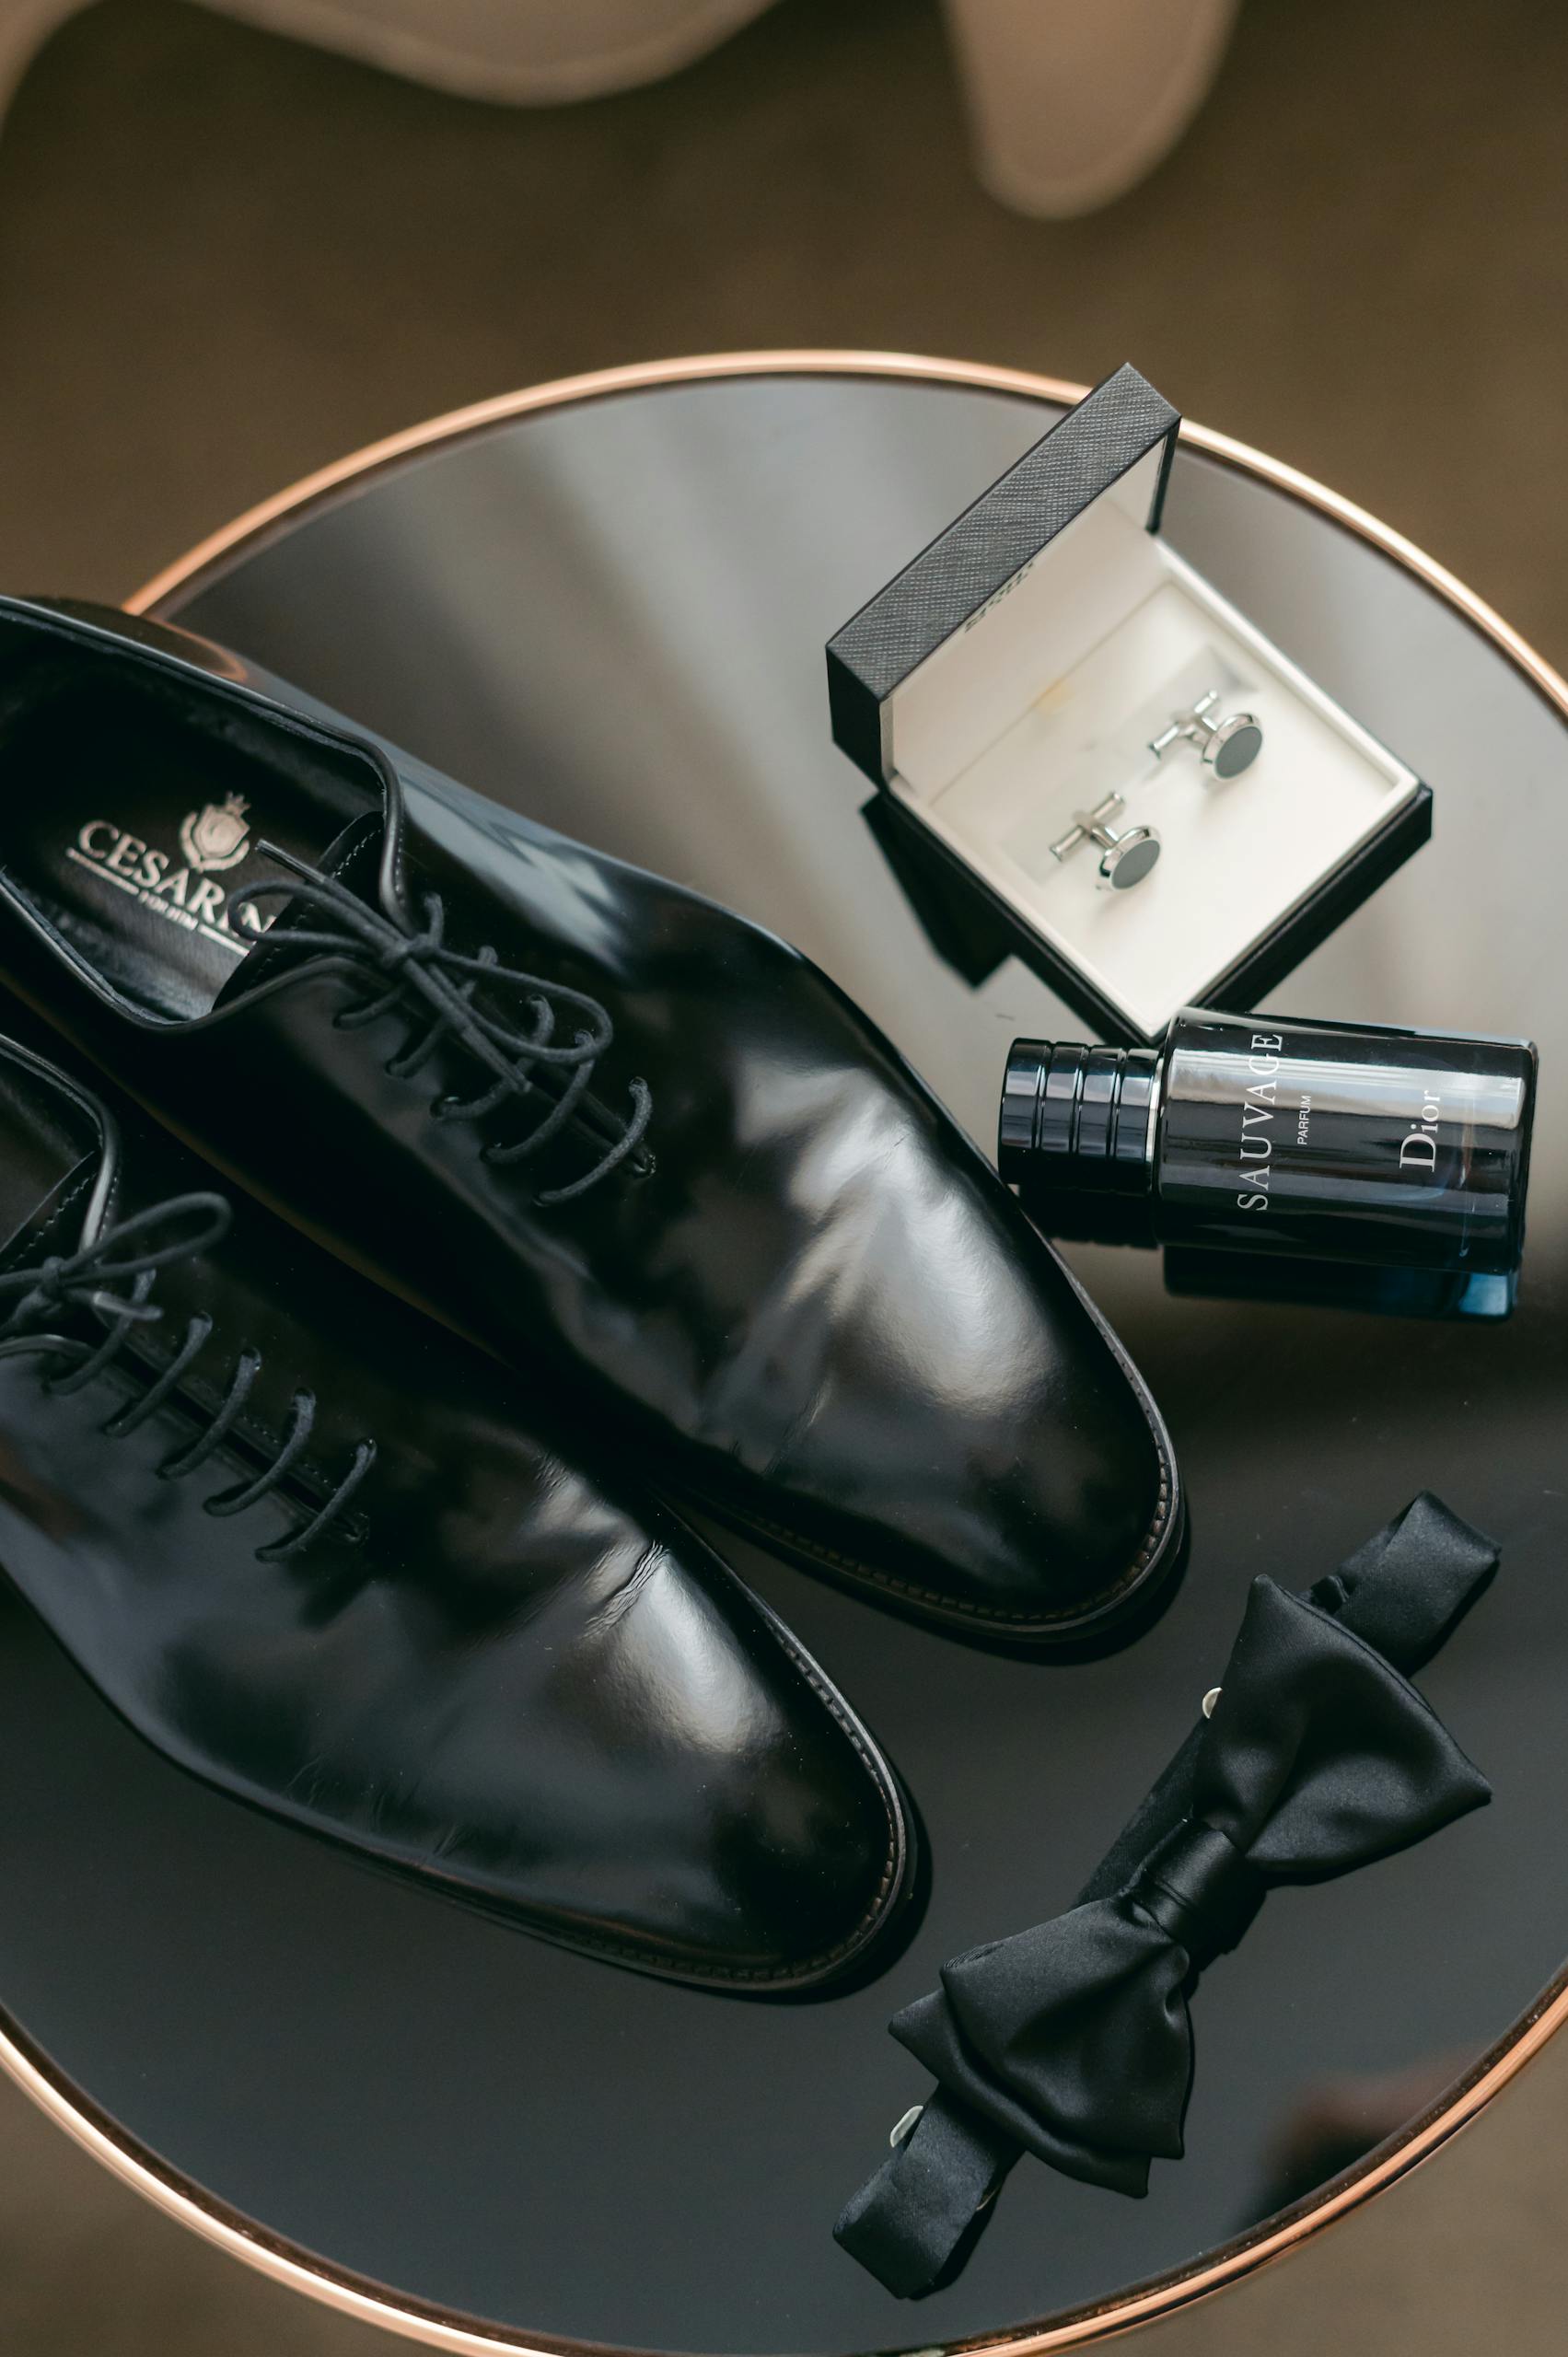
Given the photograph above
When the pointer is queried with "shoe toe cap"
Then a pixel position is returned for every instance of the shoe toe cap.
(786, 1841)
(978, 1447)
(684, 1791)
(924, 1397)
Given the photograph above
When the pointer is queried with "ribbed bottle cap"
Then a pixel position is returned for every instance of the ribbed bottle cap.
(1076, 1119)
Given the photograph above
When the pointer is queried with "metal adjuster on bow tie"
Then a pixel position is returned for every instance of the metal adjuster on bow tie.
(1210, 1699)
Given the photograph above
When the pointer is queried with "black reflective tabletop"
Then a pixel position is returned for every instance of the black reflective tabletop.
(610, 612)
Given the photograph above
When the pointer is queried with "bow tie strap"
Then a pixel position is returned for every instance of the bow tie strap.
(912, 2224)
(1071, 2040)
(1402, 1592)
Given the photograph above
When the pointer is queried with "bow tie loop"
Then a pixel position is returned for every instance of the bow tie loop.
(1200, 1890)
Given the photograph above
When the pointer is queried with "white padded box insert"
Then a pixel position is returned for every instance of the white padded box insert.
(1045, 702)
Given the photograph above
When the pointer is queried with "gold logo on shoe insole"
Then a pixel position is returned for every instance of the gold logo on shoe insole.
(218, 836)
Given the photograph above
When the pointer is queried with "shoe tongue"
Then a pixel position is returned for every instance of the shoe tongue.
(50, 1151)
(353, 859)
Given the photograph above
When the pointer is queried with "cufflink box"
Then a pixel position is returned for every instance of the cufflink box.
(1014, 675)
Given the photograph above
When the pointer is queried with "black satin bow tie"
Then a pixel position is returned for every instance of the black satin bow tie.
(1071, 2040)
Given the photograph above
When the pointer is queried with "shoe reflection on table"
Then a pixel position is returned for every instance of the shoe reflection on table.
(1338, 2121)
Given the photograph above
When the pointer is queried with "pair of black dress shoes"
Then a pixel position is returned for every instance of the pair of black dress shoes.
(304, 1534)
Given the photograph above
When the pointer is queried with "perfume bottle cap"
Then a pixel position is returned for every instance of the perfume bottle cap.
(1077, 1131)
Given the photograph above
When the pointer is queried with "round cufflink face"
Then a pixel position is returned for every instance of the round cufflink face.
(1227, 746)
(1233, 745)
(1130, 858)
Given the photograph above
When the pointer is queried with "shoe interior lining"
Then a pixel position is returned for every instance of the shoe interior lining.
(131, 810)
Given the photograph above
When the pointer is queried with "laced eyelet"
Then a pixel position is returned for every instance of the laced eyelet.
(471, 1003)
(187, 1225)
(295, 1541)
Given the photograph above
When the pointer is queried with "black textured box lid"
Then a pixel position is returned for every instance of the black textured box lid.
(977, 558)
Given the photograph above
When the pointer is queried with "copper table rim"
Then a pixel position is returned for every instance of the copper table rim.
(401, 2314)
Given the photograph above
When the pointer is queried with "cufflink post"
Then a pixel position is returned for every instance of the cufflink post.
(1126, 858)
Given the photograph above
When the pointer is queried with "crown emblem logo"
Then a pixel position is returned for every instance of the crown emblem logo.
(218, 836)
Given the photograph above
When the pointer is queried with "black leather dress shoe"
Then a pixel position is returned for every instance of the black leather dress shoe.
(644, 1151)
(303, 1541)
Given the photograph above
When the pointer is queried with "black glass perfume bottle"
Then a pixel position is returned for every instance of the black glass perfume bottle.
(1331, 1141)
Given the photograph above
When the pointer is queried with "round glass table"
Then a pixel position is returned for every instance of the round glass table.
(605, 602)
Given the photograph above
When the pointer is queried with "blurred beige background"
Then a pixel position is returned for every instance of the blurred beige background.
(226, 258)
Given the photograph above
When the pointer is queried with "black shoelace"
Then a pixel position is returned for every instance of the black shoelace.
(439, 985)
(130, 1253)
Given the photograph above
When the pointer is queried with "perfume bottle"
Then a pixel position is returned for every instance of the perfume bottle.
(1258, 1133)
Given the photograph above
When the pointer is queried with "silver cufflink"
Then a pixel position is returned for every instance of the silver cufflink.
(1227, 746)
(1126, 858)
